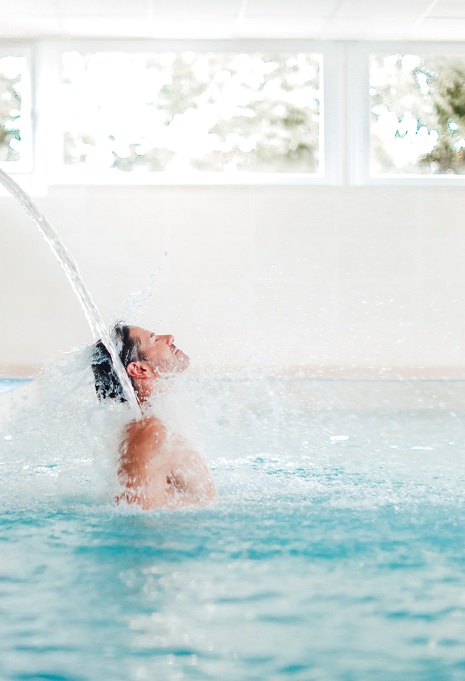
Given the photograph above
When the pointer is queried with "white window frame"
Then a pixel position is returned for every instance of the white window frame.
(345, 115)
(49, 135)
(358, 121)
(25, 164)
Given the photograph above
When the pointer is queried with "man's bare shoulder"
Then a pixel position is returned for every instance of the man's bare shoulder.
(143, 441)
(159, 468)
(148, 429)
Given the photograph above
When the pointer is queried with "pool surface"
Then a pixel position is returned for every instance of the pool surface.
(336, 551)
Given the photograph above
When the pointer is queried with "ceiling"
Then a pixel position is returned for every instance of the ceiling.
(225, 19)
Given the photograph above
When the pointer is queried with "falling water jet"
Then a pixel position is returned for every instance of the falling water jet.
(70, 267)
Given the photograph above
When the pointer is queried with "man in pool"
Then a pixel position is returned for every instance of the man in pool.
(156, 468)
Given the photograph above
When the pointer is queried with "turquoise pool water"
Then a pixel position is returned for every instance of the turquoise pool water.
(335, 553)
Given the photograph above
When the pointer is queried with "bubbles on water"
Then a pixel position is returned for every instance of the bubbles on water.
(268, 441)
(60, 442)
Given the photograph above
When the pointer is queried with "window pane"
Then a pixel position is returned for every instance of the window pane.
(417, 108)
(12, 81)
(188, 111)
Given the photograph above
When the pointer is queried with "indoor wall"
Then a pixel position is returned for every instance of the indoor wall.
(325, 281)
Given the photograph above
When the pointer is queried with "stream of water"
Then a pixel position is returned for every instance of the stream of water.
(71, 269)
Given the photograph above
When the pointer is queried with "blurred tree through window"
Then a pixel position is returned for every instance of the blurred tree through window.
(183, 112)
(12, 69)
(417, 108)
(226, 112)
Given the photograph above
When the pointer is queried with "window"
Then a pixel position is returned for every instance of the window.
(15, 123)
(417, 114)
(185, 112)
(272, 112)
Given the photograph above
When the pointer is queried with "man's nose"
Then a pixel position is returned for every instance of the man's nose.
(168, 339)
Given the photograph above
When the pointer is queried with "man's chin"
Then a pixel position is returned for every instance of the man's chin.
(183, 361)
(180, 364)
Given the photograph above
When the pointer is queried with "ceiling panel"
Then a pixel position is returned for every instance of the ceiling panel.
(212, 9)
(395, 9)
(279, 28)
(30, 27)
(448, 8)
(290, 9)
(321, 19)
(440, 29)
(101, 27)
(366, 29)
(19, 8)
(126, 27)
(109, 8)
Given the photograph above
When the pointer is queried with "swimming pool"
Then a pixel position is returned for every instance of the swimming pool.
(336, 550)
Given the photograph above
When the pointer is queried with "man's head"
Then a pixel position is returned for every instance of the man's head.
(145, 356)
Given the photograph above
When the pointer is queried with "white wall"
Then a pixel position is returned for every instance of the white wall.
(332, 280)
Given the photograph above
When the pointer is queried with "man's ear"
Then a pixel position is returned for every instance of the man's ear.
(137, 370)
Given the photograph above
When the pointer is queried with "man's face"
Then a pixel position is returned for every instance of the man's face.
(160, 351)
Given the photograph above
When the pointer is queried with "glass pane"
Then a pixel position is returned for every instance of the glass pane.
(417, 108)
(192, 112)
(12, 79)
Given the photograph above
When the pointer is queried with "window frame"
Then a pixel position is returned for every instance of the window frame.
(49, 154)
(345, 114)
(26, 163)
(358, 146)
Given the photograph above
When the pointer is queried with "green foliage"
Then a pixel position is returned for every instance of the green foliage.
(154, 159)
(10, 107)
(427, 98)
(272, 131)
(211, 112)
(448, 92)
(183, 89)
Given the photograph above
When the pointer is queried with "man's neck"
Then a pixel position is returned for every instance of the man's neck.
(145, 390)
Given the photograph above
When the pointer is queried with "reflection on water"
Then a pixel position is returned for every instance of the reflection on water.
(335, 551)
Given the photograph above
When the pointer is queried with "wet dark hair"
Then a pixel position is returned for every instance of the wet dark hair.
(107, 383)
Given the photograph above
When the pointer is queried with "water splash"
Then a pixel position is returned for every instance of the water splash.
(135, 305)
(70, 267)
